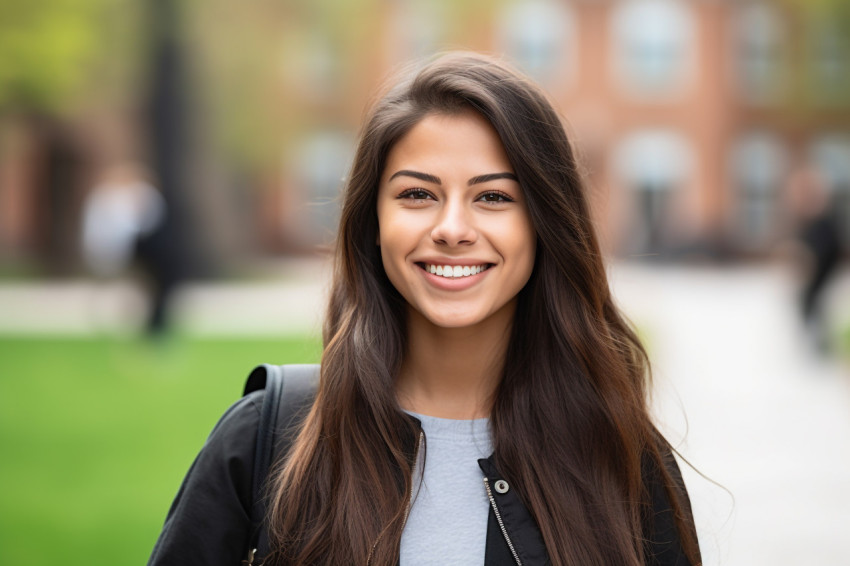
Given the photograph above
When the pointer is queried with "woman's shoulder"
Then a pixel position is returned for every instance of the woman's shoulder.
(226, 460)
(209, 519)
(240, 420)
(228, 453)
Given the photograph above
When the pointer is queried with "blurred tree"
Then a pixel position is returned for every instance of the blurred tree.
(822, 69)
(44, 47)
(66, 67)
(273, 69)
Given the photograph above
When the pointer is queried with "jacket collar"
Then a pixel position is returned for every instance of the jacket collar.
(519, 526)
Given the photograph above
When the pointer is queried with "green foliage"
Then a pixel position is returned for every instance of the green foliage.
(844, 342)
(44, 44)
(822, 70)
(96, 435)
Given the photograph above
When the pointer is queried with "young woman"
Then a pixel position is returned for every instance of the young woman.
(481, 400)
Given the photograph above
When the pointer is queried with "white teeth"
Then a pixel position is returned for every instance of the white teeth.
(453, 271)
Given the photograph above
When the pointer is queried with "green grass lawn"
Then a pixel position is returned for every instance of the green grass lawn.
(96, 434)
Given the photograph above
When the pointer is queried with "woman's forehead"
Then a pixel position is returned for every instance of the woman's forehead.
(449, 141)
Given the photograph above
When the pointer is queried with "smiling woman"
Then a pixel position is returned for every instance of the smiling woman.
(481, 399)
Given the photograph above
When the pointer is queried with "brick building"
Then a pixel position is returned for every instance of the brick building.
(689, 115)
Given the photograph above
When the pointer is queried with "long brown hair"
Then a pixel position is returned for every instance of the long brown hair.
(570, 423)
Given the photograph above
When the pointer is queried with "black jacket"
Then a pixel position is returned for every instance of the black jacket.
(209, 521)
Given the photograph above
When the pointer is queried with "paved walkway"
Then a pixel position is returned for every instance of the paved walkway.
(737, 392)
(286, 301)
(751, 408)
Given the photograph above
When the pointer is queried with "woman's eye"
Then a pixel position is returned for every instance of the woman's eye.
(495, 197)
(415, 194)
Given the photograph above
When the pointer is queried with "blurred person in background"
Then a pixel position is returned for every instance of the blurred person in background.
(122, 217)
(470, 335)
(819, 243)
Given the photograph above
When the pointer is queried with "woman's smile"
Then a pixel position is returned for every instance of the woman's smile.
(453, 277)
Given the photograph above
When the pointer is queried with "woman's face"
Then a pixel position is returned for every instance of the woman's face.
(454, 230)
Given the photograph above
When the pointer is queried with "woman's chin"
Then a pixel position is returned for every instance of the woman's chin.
(454, 320)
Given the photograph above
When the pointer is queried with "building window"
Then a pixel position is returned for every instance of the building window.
(652, 166)
(830, 62)
(758, 170)
(759, 53)
(540, 37)
(416, 30)
(653, 47)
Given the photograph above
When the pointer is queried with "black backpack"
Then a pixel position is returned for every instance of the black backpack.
(289, 392)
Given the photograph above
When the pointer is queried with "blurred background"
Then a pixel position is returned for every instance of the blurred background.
(169, 182)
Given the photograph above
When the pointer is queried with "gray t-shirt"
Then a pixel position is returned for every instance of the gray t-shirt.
(447, 523)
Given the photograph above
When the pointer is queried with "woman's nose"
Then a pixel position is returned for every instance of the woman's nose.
(454, 226)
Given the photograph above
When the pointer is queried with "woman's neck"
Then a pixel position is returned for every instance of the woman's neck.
(453, 372)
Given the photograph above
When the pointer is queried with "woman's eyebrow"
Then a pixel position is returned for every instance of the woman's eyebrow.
(492, 177)
(417, 175)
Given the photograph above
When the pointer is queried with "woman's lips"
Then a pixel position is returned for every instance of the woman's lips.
(443, 276)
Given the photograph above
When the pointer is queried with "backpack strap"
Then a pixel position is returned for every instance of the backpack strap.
(289, 391)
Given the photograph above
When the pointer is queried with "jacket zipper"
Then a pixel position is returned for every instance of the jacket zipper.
(409, 499)
(501, 523)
